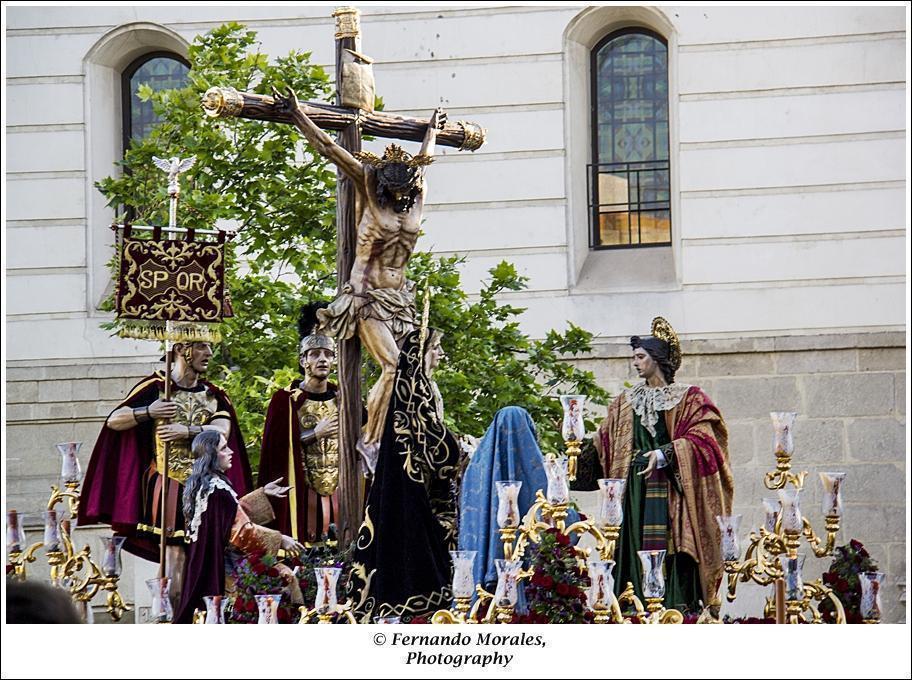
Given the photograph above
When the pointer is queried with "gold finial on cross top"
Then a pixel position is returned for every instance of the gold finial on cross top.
(348, 24)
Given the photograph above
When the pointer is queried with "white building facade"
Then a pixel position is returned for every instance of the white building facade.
(781, 198)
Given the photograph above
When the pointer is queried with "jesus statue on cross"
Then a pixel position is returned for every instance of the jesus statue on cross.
(377, 303)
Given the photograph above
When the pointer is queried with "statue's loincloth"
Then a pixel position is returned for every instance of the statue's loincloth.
(394, 307)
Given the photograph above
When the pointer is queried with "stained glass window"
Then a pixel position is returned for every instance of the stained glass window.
(160, 71)
(629, 180)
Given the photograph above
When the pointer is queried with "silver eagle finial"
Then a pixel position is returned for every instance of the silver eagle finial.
(173, 166)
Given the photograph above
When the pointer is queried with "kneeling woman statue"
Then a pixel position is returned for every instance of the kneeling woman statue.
(220, 526)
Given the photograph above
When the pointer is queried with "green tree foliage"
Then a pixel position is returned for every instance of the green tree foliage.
(263, 179)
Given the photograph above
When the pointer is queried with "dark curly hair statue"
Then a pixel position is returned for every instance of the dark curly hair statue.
(659, 350)
(205, 466)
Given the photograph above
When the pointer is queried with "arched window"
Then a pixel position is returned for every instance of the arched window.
(629, 180)
(158, 70)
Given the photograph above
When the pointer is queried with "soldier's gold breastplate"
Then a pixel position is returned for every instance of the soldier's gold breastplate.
(320, 459)
(193, 408)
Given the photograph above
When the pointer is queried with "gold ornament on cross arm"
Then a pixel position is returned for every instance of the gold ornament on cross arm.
(222, 102)
(474, 135)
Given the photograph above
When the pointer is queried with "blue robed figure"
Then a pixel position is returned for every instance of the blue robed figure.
(508, 451)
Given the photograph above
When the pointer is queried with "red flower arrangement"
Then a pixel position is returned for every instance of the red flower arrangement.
(328, 553)
(256, 574)
(848, 562)
(556, 591)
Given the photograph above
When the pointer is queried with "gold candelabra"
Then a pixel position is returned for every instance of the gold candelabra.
(772, 556)
(572, 429)
(325, 615)
(573, 452)
(325, 603)
(19, 556)
(75, 571)
(546, 513)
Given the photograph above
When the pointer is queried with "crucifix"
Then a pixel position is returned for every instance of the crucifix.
(379, 202)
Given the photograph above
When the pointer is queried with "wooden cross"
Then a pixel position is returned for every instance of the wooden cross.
(350, 123)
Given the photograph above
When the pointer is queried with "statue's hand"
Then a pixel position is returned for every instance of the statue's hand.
(291, 546)
(287, 102)
(468, 444)
(172, 432)
(653, 457)
(327, 427)
(160, 408)
(275, 489)
(438, 119)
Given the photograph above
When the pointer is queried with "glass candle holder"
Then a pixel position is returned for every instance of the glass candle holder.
(160, 611)
(573, 427)
(783, 437)
(831, 502)
(558, 492)
(508, 503)
(729, 526)
(601, 584)
(110, 555)
(871, 585)
(507, 591)
(791, 572)
(652, 562)
(215, 608)
(15, 532)
(327, 577)
(610, 510)
(463, 580)
(268, 608)
(70, 470)
(770, 514)
(52, 540)
(388, 620)
(792, 521)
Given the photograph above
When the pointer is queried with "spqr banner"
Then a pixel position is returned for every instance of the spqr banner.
(163, 281)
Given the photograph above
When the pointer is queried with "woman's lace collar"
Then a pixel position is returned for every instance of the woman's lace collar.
(202, 502)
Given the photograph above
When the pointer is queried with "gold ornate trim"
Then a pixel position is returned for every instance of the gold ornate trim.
(177, 533)
(143, 385)
(473, 135)
(222, 102)
(348, 22)
(417, 605)
(292, 478)
(662, 330)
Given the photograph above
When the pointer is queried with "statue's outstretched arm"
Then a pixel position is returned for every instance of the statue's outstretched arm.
(319, 140)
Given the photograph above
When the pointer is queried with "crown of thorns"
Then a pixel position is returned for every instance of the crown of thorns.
(394, 154)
